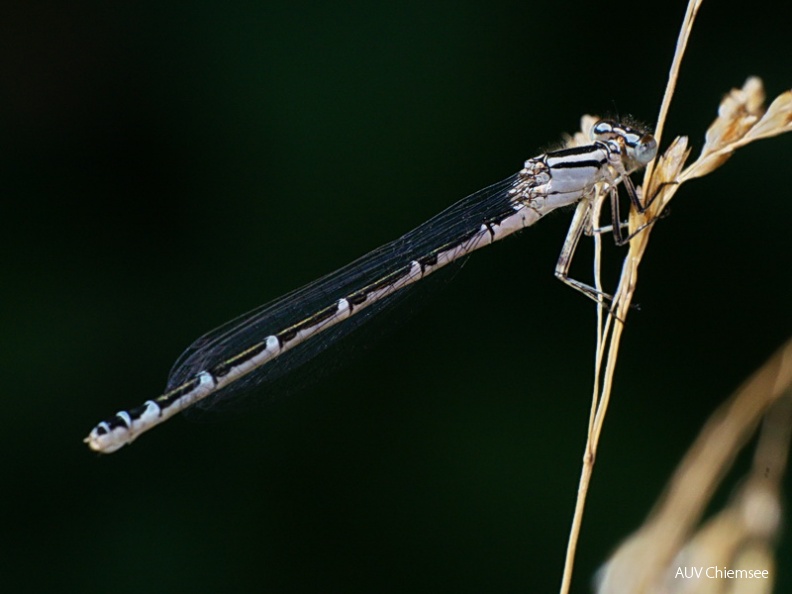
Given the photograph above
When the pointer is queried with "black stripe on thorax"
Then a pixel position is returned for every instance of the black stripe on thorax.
(592, 164)
(575, 150)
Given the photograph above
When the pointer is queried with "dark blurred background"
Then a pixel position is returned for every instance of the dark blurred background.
(168, 166)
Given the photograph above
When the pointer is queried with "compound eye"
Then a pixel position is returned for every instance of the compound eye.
(645, 149)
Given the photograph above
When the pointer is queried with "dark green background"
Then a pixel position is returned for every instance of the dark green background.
(168, 166)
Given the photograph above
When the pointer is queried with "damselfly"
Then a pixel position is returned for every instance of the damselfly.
(237, 355)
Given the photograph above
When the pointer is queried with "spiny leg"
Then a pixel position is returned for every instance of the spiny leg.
(576, 227)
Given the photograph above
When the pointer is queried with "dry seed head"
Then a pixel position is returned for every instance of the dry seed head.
(741, 120)
(739, 110)
(583, 136)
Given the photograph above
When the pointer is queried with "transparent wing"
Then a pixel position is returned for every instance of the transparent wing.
(452, 226)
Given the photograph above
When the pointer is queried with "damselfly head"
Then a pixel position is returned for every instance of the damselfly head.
(638, 146)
